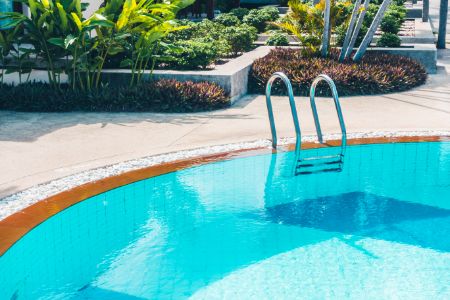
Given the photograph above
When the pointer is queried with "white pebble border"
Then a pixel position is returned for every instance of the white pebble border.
(15, 203)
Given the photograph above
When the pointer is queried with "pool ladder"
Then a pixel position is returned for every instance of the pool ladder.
(309, 165)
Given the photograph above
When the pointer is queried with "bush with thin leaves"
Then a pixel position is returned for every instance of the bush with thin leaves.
(376, 73)
(158, 96)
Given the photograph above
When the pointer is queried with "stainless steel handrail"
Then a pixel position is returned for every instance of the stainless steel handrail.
(287, 82)
(337, 104)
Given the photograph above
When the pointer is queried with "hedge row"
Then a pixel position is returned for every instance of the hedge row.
(157, 96)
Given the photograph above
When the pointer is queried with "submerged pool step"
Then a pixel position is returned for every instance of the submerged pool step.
(339, 169)
(320, 160)
(319, 164)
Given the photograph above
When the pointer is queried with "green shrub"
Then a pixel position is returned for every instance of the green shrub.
(390, 40)
(206, 31)
(227, 19)
(398, 12)
(182, 35)
(207, 28)
(376, 73)
(278, 39)
(259, 18)
(192, 54)
(240, 12)
(390, 24)
(240, 38)
(370, 14)
(256, 20)
(271, 12)
(159, 96)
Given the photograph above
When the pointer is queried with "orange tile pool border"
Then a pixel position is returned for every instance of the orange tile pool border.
(14, 227)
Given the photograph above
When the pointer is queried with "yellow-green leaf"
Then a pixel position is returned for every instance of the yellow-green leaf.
(62, 16)
(128, 7)
(77, 21)
(46, 3)
(33, 7)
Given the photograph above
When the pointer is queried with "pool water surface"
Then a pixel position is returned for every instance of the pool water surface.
(246, 229)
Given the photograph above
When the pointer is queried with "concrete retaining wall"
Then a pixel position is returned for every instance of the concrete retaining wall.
(426, 54)
(232, 76)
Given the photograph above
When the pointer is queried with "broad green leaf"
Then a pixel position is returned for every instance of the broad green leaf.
(69, 41)
(126, 63)
(102, 23)
(116, 49)
(57, 42)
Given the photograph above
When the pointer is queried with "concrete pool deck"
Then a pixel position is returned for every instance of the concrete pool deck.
(39, 147)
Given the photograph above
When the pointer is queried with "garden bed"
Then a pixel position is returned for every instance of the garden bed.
(156, 96)
(377, 73)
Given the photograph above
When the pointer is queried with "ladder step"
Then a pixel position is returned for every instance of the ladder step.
(318, 171)
(300, 165)
(321, 157)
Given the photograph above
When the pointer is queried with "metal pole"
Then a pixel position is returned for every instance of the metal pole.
(326, 29)
(425, 10)
(443, 11)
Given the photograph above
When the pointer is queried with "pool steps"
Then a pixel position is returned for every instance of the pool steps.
(302, 164)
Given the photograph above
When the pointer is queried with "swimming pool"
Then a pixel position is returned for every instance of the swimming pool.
(245, 229)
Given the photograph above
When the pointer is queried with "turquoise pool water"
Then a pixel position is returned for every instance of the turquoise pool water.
(245, 229)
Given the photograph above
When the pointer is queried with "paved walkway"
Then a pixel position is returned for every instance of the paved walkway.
(37, 147)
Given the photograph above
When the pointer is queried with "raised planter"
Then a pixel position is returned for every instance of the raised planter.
(232, 76)
(422, 34)
(426, 54)
(414, 10)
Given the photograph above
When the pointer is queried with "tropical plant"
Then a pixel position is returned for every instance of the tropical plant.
(307, 23)
(139, 27)
(49, 20)
(80, 47)
(7, 39)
